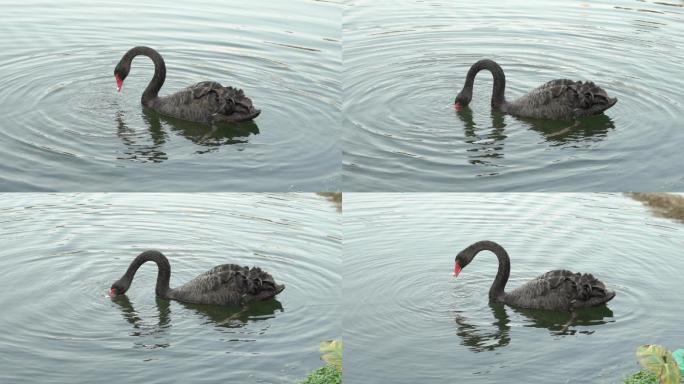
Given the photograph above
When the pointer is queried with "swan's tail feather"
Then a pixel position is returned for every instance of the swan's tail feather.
(235, 106)
(592, 99)
(591, 291)
(581, 290)
(260, 285)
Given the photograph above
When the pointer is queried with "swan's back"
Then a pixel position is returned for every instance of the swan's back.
(562, 99)
(228, 284)
(206, 102)
(560, 290)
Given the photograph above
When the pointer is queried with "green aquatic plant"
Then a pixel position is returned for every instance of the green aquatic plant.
(642, 377)
(331, 372)
(658, 360)
(326, 374)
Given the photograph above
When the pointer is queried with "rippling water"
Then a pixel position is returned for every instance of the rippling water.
(61, 253)
(64, 126)
(405, 61)
(406, 320)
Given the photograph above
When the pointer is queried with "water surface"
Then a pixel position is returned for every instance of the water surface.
(61, 253)
(65, 128)
(405, 61)
(406, 320)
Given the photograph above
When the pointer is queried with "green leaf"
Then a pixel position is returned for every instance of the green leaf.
(658, 360)
(332, 353)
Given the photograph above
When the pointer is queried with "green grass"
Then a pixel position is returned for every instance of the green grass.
(642, 377)
(324, 375)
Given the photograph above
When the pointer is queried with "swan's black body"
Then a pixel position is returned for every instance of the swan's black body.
(205, 102)
(561, 99)
(558, 290)
(226, 284)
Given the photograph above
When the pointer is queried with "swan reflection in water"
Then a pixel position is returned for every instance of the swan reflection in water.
(479, 337)
(221, 316)
(209, 137)
(485, 148)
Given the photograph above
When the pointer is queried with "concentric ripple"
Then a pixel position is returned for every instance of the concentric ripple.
(407, 320)
(62, 252)
(66, 128)
(404, 64)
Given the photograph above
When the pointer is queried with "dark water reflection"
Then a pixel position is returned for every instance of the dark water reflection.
(233, 317)
(230, 317)
(593, 129)
(208, 136)
(487, 147)
(482, 338)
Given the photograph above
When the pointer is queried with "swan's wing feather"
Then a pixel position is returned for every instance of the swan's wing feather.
(578, 288)
(562, 99)
(224, 268)
(203, 89)
(229, 284)
(555, 83)
(207, 102)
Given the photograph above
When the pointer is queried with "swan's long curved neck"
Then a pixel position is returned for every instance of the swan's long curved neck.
(498, 98)
(497, 289)
(163, 274)
(159, 71)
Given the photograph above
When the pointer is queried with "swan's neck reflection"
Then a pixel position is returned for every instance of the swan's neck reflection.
(144, 329)
(479, 340)
(485, 148)
(482, 338)
(143, 152)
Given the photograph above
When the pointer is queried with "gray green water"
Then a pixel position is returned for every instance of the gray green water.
(65, 128)
(60, 253)
(405, 61)
(406, 320)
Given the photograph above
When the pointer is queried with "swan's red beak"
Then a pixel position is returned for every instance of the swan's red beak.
(457, 270)
(119, 83)
(112, 292)
(457, 106)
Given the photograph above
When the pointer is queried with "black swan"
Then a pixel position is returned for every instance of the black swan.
(558, 290)
(561, 99)
(226, 284)
(205, 102)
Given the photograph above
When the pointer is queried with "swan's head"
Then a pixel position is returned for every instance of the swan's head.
(119, 288)
(462, 260)
(463, 99)
(459, 264)
(120, 73)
